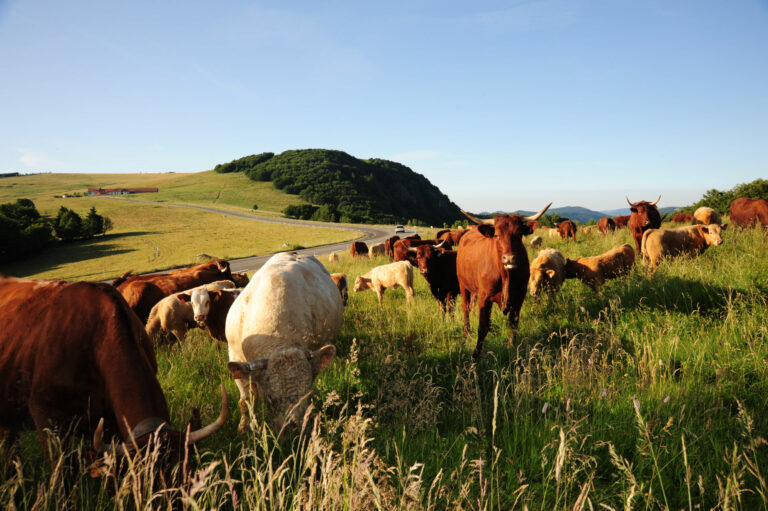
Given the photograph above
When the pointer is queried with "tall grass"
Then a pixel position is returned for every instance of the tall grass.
(649, 396)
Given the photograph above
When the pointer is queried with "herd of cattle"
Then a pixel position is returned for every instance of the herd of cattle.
(83, 353)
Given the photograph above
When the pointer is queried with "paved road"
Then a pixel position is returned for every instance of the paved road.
(371, 234)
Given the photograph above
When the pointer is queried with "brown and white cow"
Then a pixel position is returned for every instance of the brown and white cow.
(74, 352)
(690, 240)
(492, 266)
(142, 292)
(705, 216)
(645, 215)
(594, 271)
(210, 308)
(746, 212)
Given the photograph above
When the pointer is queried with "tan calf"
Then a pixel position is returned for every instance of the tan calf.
(547, 272)
(692, 239)
(706, 216)
(341, 282)
(382, 277)
(535, 241)
(376, 250)
(594, 271)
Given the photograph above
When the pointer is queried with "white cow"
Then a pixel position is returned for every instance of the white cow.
(278, 331)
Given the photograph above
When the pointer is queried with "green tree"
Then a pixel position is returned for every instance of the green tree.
(68, 225)
(93, 224)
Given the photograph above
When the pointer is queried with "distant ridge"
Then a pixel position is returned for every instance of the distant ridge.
(583, 215)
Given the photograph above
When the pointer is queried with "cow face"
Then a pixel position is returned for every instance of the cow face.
(200, 300)
(240, 279)
(507, 232)
(713, 234)
(285, 382)
(540, 280)
(426, 255)
(645, 214)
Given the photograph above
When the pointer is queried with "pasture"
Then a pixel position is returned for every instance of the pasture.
(649, 396)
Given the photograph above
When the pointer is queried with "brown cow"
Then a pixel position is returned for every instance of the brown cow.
(682, 218)
(594, 271)
(621, 221)
(692, 239)
(492, 266)
(439, 233)
(746, 212)
(142, 292)
(210, 308)
(644, 216)
(567, 230)
(403, 254)
(389, 245)
(72, 352)
(439, 270)
(452, 238)
(341, 282)
(534, 225)
(606, 224)
(705, 216)
(358, 249)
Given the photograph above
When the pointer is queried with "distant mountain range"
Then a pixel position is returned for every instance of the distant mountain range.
(583, 215)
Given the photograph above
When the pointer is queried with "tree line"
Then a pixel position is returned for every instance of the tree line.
(25, 232)
(720, 201)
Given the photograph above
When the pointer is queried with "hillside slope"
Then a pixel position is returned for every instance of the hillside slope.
(349, 189)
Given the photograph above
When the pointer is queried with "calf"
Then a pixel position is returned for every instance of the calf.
(380, 278)
(692, 239)
(174, 316)
(594, 271)
(341, 282)
(439, 270)
(547, 272)
(706, 216)
(567, 230)
(210, 308)
(535, 241)
(333, 257)
(376, 250)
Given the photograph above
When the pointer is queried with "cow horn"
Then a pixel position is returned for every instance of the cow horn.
(630, 204)
(439, 245)
(412, 249)
(478, 221)
(196, 436)
(656, 201)
(537, 215)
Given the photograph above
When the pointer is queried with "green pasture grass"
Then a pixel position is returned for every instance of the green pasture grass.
(651, 395)
(154, 237)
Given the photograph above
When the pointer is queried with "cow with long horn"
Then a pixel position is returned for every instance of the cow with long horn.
(492, 265)
(644, 215)
(71, 352)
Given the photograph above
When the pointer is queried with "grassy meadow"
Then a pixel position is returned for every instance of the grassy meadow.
(148, 237)
(650, 396)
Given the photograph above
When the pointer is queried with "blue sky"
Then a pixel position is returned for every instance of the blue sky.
(503, 105)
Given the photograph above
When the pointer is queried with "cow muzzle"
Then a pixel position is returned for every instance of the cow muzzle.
(508, 262)
(200, 319)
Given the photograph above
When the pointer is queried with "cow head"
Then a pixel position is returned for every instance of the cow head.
(284, 381)
(200, 299)
(240, 279)
(540, 280)
(426, 257)
(645, 213)
(713, 233)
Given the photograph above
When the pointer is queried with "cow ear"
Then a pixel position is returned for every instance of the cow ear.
(241, 370)
(704, 228)
(486, 230)
(321, 358)
(222, 265)
(528, 229)
(550, 273)
(724, 227)
(184, 298)
(633, 210)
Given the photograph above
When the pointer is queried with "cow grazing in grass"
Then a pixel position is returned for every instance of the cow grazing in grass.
(278, 333)
(690, 240)
(492, 266)
(74, 352)
(621, 221)
(358, 249)
(439, 270)
(341, 282)
(210, 308)
(745, 212)
(389, 246)
(645, 215)
(706, 216)
(536, 241)
(682, 218)
(547, 272)
(175, 316)
(402, 252)
(606, 224)
(567, 229)
(380, 278)
(594, 271)
(142, 292)
(376, 250)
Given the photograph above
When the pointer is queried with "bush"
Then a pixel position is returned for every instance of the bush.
(23, 232)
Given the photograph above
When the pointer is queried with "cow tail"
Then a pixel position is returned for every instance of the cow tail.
(122, 278)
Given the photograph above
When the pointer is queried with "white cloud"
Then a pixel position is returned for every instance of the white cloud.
(33, 160)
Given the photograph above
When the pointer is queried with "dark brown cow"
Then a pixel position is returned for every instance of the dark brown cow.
(492, 266)
(74, 352)
(403, 254)
(606, 224)
(142, 292)
(746, 212)
(439, 270)
(358, 249)
(389, 246)
(451, 238)
(682, 218)
(621, 221)
(567, 230)
(644, 216)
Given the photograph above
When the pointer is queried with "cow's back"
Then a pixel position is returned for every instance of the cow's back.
(475, 262)
(291, 299)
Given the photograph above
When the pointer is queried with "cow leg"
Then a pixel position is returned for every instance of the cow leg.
(465, 305)
(380, 293)
(248, 397)
(8, 441)
(514, 318)
(484, 324)
(409, 294)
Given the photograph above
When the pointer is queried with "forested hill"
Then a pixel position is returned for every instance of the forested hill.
(348, 189)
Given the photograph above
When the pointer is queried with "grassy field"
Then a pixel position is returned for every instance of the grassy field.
(153, 237)
(651, 396)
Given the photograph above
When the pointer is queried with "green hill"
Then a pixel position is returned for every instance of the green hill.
(348, 189)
